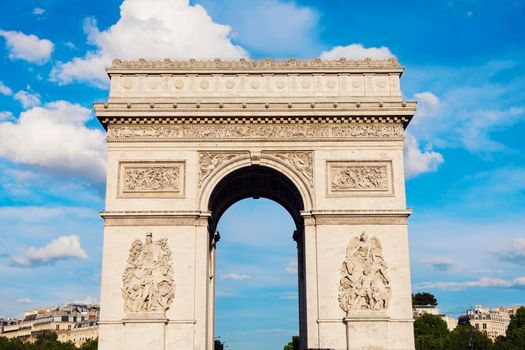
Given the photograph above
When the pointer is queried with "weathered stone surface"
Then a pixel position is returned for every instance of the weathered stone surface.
(148, 283)
(325, 138)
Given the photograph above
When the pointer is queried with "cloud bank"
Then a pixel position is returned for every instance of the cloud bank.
(66, 147)
(440, 263)
(418, 161)
(62, 248)
(486, 282)
(27, 47)
(357, 52)
(513, 252)
(149, 29)
(235, 277)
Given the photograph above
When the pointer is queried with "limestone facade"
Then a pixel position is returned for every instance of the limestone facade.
(491, 321)
(74, 322)
(186, 139)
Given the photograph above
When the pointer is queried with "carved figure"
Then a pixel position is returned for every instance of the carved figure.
(263, 131)
(148, 283)
(364, 276)
(300, 161)
(209, 161)
(156, 178)
(359, 178)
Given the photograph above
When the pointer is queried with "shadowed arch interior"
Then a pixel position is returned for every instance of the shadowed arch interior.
(255, 181)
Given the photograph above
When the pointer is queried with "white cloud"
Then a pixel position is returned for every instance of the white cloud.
(27, 47)
(89, 300)
(70, 45)
(516, 283)
(38, 11)
(5, 90)
(418, 161)
(39, 216)
(62, 248)
(150, 29)
(357, 52)
(476, 129)
(27, 99)
(24, 301)
(291, 268)
(235, 277)
(289, 295)
(440, 263)
(513, 252)
(275, 28)
(427, 105)
(6, 115)
(472, 106)
(66, 147)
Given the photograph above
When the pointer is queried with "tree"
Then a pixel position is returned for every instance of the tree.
(293, 345)
(218, 345)
(517, 321)
(431, 333)
(467, 337)
(515, 339)
(91, 344)
(13, 344)
(48, 340)
(421, 299)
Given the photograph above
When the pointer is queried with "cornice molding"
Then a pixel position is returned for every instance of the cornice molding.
(254, 65)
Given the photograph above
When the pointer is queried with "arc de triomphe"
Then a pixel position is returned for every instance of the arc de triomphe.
(187, 139)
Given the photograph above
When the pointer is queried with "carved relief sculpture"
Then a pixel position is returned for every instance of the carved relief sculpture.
(260, 131)
(372, 178)
(148, 284)
(302, 162)
(209, 161)
(364, 284)
(360, 178)
(152, 178)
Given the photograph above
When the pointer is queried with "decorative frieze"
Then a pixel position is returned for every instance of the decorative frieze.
(300, 161)
(351, 177)
(147, 282)
(151, 179)
(253, 131)
(364, 283)
(211, 161)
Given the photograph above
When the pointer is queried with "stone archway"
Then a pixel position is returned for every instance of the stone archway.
(258, 181)
(188, 138)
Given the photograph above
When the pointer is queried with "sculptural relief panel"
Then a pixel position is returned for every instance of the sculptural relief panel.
(257, 131)
(148, 282)
(364, 284)
(151, 179)
(210, 162)
(351, 178)
(301, 161)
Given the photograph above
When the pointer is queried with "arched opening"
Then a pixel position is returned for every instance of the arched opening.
(257, 182)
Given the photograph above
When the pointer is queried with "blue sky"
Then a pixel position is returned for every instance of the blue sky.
(465, 148)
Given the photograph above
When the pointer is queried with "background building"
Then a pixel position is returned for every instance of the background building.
(420, 310)
(74, 322)
(492, 321)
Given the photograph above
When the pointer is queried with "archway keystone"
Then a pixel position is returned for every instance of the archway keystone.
(187, 139)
